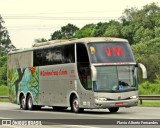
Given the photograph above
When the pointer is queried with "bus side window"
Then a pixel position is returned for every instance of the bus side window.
(83, 66)
(37, 57)
(69, 54)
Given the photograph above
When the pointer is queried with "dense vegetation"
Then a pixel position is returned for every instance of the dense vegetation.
(5, 46)
(140, 26)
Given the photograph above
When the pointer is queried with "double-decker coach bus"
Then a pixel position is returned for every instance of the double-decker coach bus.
(87, 73)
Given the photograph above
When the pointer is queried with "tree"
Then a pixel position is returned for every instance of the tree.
(135, 21)
(5, 42)
(69, 31)
(66, 32)
(40, 40)
(157, 31)
(114, 29)
(5, 47)
(3, 70)
(148, 54)
(128, 33)
(86, 31)
(100, 29)
(56, 35)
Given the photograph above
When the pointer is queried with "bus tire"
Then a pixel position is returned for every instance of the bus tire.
(23, 103)
(75, 105)
(30, 105)
(114, 109)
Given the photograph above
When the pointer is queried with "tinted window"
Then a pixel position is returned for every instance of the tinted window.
(83, 66)
(37, 57)
(102, 52)
(54, 55)
(69, 55)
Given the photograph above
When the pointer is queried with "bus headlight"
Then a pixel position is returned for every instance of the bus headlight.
(102, 99)
(134, 97)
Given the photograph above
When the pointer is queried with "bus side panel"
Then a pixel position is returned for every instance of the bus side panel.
(56, 84)
(86, 96)
(23, 80)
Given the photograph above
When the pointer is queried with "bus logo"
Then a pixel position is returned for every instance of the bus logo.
(92, 50)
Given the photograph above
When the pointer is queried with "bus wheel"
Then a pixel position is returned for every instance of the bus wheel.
(30, 105)
(114, 109)
(23, 103)
(75, 105)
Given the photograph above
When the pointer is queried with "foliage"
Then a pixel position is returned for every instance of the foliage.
(5, 42)
(140, 23)
(148, 88)
(66, 32)
(3, 90)
(5, 47)
(100, 29)
(149, 103)
(86, 31)
(40, 40)
(56, 35)
(148, 54)
(3, 70)
(113, 30)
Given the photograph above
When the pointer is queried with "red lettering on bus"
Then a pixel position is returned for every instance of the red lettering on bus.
(107, 51)
(116, 51)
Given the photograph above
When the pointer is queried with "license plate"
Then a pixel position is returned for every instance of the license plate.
(118, 104)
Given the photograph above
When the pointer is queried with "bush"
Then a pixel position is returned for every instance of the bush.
(148, 88)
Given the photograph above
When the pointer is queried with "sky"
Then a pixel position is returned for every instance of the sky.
(27, 20)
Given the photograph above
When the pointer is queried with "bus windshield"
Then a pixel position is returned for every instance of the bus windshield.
(116, 78)
(110, 52)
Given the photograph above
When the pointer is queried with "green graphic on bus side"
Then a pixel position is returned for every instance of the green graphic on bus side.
(23, 79)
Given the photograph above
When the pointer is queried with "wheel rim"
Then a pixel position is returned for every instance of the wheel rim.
(75, 105)
(23, 102)
(30, 103)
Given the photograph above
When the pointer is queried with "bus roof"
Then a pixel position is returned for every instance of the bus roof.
(69, 41)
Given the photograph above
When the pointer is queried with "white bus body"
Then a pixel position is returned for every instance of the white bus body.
(84, 73)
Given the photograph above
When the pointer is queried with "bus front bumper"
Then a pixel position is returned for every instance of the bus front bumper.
(116, 103)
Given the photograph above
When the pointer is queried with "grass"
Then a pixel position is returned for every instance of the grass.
(148, 88)
(4, 100)
(3, 90)
(149, 103)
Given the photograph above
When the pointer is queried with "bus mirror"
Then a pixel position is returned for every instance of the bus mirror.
(94, 73)
(144, 71)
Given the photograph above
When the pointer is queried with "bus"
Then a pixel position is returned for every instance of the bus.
(87, 73)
